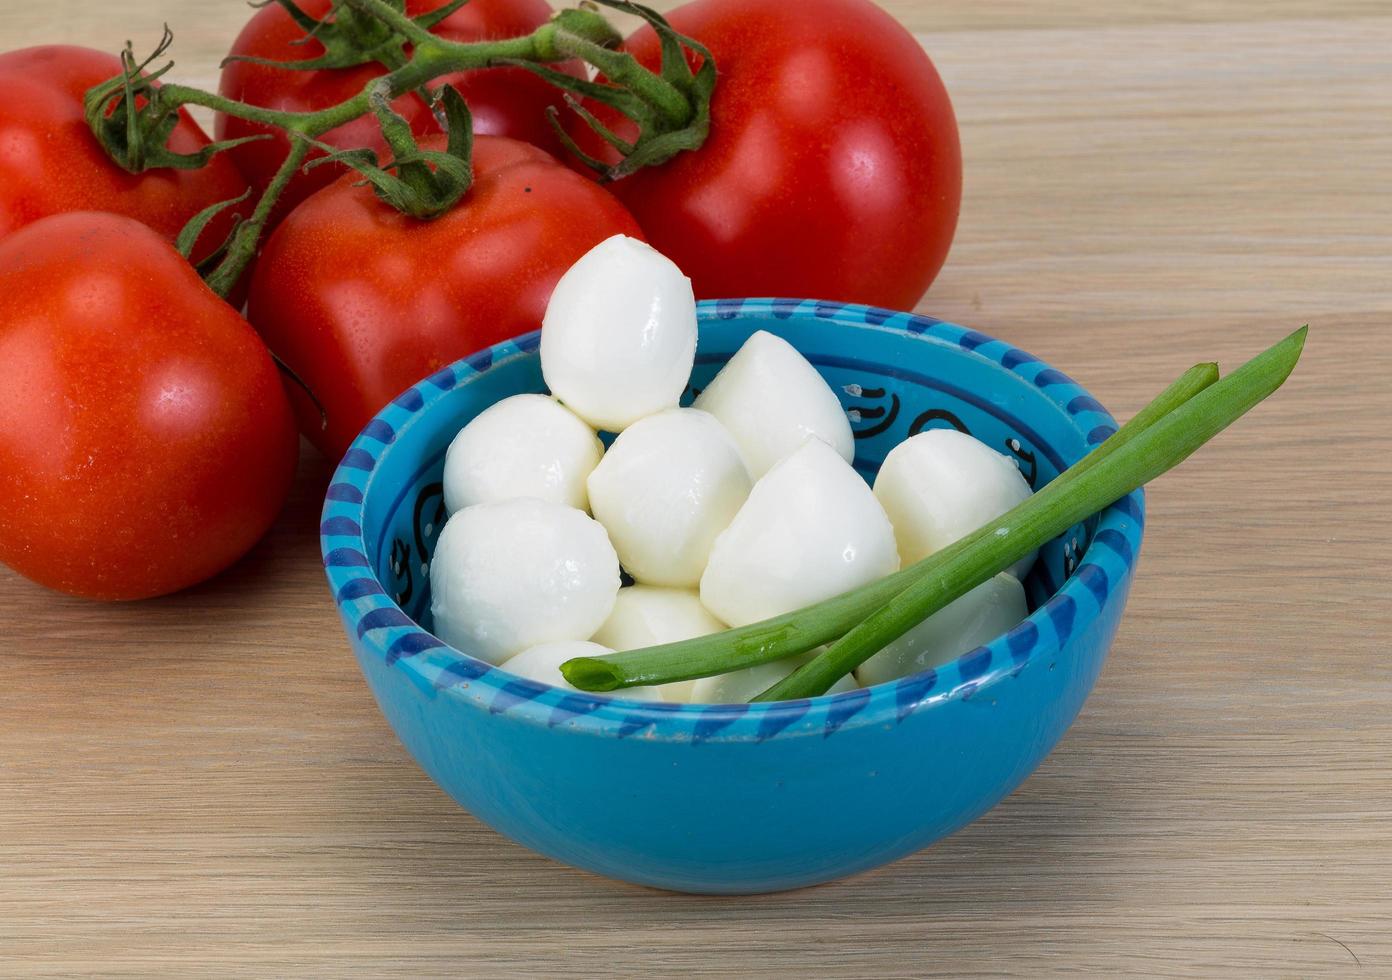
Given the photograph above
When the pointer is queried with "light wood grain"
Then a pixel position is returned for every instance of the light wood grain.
(202, 784)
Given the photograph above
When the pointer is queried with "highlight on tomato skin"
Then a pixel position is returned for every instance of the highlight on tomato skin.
(504, 101)
(61, 166)
(362, 302)
(146, 442)
(833, 166)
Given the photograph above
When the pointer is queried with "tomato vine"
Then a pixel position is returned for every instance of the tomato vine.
(133, 114)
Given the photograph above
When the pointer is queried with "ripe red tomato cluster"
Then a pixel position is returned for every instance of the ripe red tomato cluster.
(146, 441)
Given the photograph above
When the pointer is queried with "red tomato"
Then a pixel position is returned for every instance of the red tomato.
(50, 162)
(505, 101)
(362, 302)
(832, 169)
(146, 442)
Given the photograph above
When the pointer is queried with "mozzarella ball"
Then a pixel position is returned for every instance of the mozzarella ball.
(511, 575)
(667, 486)
(941, 485)
(619, 336)
(994, 607)
(811, 529)
(648, 616)
(542, 663)
(772, 400)
(523, 446)
(742, 686)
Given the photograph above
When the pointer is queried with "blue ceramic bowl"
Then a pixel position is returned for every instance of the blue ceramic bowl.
(739, 798)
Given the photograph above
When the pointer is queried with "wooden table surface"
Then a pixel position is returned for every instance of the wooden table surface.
(203, 784)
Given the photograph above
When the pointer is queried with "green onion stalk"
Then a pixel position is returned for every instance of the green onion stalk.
(857, 624)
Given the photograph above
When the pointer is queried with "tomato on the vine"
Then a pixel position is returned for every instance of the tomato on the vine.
(504, 101)
(832, 169)
(50, 163)
(146, 442)
(361, 301)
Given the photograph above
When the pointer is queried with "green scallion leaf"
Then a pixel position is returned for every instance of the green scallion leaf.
(953, 571)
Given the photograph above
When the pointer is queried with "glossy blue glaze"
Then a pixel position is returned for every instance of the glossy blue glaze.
(740, 798)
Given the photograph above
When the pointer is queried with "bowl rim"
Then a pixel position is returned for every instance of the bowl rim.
(370, 614)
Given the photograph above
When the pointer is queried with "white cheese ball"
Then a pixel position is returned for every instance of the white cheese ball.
(542, 663)
(511, 575)
(994, 607)
(667, 486)
(523, 446)
(811, 529)
(941, 485)
(648, 616)
(771, 400)
(619, 336)
(742, 686)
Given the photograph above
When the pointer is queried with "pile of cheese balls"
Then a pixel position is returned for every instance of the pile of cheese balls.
(741, 507)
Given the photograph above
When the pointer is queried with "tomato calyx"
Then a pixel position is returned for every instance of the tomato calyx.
(187, 240)
(671, 108)
(133, 120)
(421, 183)
(349, 37)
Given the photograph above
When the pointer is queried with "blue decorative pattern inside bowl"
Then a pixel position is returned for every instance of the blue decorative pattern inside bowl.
(517, 753)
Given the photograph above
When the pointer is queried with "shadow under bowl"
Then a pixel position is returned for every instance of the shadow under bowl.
(740, 798)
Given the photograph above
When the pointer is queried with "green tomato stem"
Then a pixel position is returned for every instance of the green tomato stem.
(430, 61)
(805, 629)
(431, 58)
(952, 572)
(393, 18)
(623, 69)
(242, 248)
(580, 32)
